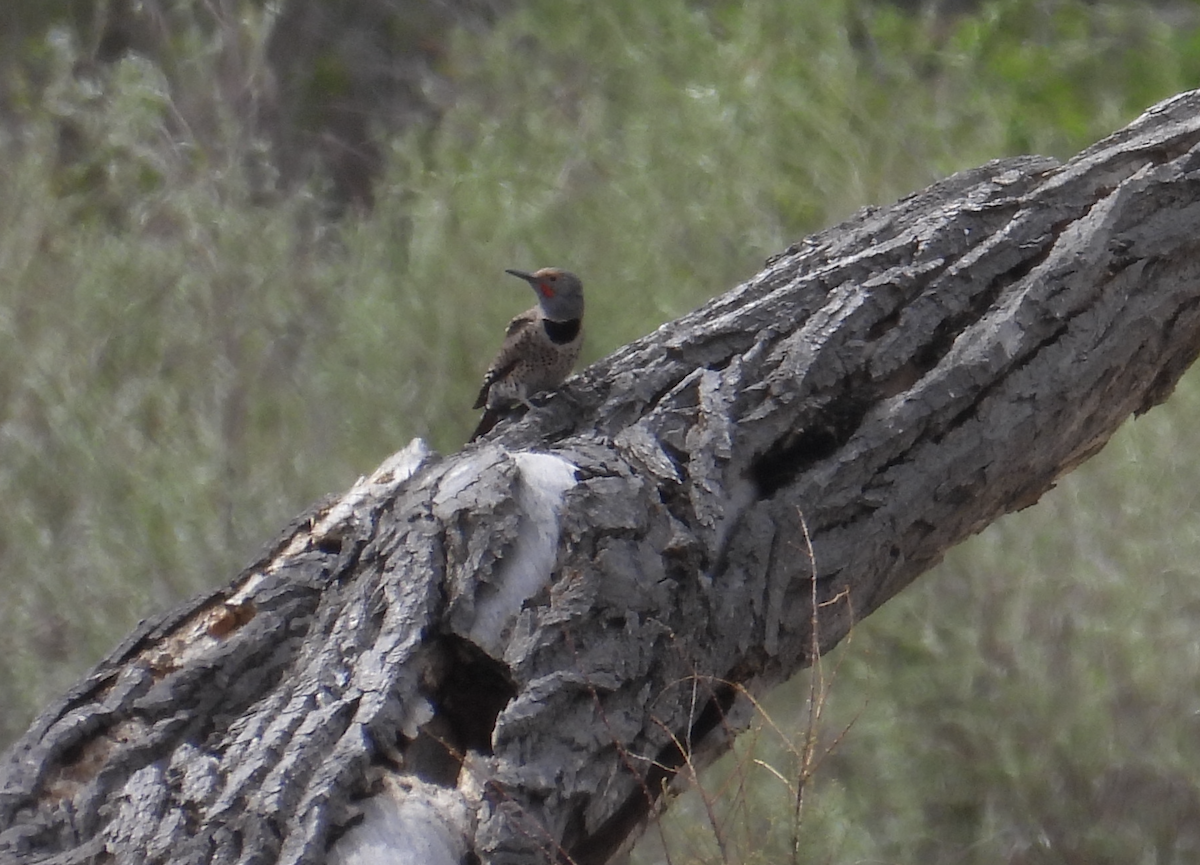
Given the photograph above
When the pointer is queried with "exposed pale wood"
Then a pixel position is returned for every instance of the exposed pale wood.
(505, 653)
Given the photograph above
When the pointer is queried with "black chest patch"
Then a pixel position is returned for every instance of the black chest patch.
(561, 332)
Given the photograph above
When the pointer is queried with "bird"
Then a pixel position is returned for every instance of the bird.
(540, 346)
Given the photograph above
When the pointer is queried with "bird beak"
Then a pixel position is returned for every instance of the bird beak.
(543, 288)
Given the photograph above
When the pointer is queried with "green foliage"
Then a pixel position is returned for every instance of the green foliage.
(187, 361)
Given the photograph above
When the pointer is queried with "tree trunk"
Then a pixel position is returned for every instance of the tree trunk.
(504, 655)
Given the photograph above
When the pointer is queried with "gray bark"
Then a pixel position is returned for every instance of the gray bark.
(505, 654)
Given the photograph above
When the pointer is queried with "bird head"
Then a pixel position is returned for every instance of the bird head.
(559, 292)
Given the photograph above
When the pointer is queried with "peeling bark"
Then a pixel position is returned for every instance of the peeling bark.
(504, 655)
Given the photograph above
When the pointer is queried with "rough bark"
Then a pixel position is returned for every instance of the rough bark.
(504, 655)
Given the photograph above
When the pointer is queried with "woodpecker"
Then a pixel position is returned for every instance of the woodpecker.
(540, 346)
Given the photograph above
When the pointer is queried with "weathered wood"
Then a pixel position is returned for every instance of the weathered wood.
(504, 655)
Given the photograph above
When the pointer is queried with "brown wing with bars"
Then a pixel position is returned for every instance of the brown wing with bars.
(520, 330)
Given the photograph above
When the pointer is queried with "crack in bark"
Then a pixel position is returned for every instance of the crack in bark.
(599, 846)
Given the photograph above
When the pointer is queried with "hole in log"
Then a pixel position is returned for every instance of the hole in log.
(470, 693)
(330, 545)
(473, 692)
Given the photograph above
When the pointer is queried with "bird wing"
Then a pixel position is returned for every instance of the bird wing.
(520, 330)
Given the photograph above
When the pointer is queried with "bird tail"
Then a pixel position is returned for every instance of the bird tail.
(490, 418)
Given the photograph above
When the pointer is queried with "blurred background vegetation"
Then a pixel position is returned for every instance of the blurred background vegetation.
(249, 249)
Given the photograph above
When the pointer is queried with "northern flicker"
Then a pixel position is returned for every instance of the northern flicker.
(540, 346)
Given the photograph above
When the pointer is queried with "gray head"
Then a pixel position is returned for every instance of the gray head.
(559, 292)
